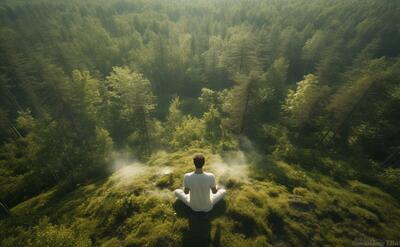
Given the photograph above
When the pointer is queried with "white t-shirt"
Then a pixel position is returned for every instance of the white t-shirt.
(199, 185)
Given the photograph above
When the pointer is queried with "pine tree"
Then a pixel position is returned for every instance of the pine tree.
(301, 104)
(239, 55)
(248, 92)
(132, 95)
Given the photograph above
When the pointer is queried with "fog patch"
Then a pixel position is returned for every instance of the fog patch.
(230, 166)
(166, 170)
(130, 174)
(130, 171)
(126, 169)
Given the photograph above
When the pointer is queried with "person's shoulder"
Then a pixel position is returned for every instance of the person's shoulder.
(188, 174)
(209, 174)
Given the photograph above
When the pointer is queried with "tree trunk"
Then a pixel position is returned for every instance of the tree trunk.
(245, 110)
(4, 207)
(393, 156)
(144, 127)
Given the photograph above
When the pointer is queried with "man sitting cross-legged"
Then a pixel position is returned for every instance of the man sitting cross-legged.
(197, 186)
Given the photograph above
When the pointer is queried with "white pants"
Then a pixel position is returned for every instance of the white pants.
(185, 198)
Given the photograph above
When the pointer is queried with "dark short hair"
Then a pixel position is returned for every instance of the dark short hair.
(198, 160)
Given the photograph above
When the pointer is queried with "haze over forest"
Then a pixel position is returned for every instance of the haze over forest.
(294, 103)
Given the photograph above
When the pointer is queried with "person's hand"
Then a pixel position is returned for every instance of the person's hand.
(186, 191)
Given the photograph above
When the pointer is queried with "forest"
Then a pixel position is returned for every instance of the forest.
(294, 103)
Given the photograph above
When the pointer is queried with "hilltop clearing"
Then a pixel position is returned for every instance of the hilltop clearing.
(274, 203)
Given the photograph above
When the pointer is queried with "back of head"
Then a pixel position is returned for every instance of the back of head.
(198, 160)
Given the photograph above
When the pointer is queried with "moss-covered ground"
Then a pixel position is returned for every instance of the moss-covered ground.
(268, 204)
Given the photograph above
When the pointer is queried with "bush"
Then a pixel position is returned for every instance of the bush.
(47, 234)
(189, 133)
(339, 170)
(390, 178)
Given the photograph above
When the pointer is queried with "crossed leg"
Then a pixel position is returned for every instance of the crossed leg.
(182, 196)
(217, 196)
(186, 199)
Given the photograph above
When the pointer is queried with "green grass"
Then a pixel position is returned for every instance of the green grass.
(275, 204)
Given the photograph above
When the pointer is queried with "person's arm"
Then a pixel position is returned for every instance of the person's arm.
(213, 185)
(185, 186)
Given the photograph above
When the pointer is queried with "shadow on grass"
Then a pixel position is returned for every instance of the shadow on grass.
(199, 232)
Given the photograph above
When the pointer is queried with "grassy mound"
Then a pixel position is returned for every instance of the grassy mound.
(276, 204)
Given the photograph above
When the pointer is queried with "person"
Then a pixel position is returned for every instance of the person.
(197, 186)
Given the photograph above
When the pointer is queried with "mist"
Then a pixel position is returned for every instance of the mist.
(295, 105)
(232, 165)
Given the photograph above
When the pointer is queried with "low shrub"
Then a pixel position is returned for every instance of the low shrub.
(47, 234)
(390, 179)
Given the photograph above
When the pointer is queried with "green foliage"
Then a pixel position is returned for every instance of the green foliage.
(396, 92)
(302, 104)
(277, 76)
(248, 93)
(131, 101)
(186, 131)
(131, 90)
(90, 92)
(190, 132)
(136, 207)
(174, 118)
(313, 47)
(46, 234)
(213, 127)
(361, 111)
(80, 79)
(390, 179)
(239, 54)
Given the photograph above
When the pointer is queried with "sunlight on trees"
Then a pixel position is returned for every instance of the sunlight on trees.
(307, 91)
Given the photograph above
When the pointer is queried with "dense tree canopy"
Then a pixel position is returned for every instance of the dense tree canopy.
(305, 81)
